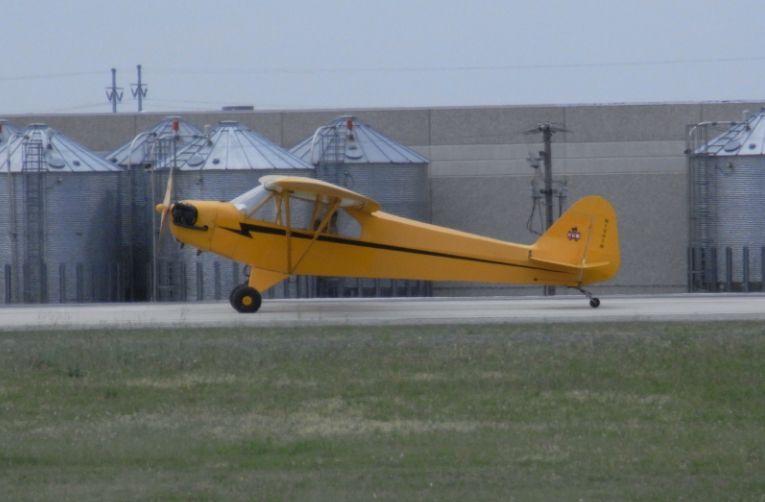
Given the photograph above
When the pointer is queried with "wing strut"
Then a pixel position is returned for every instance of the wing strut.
(317, 231)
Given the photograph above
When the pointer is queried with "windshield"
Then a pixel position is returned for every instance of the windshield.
(249, 201)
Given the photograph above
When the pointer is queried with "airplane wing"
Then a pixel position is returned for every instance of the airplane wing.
(311, 189)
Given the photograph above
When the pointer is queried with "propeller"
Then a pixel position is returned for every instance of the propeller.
(166, 205)
(164, 208)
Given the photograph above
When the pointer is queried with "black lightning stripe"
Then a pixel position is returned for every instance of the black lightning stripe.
(246, 229)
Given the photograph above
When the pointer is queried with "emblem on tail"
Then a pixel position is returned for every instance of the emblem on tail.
(574, 234)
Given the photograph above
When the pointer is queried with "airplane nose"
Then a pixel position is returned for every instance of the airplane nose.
(184, 215)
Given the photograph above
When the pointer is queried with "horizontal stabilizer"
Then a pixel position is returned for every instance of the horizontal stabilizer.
(569, 266)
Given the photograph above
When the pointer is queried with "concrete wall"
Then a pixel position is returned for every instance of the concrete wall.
(480, 178)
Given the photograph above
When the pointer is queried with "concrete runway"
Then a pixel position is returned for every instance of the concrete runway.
(315, 312)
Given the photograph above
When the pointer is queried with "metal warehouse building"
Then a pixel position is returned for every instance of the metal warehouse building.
(479, 176)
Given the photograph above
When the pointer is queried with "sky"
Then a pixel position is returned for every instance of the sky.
(301, 54)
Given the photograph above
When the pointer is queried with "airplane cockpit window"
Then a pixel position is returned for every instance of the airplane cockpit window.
(250, 201)
(301, 211)
(309, 215)
(347, 226)
(258, 204)
(304, 214)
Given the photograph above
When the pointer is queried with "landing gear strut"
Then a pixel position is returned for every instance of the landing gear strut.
(594, 301)
(245, 299)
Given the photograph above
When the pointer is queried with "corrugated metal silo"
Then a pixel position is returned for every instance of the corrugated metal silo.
(727, 206)
(60, 214)
(138, 157)
(7, 130)
(219, 166)
(147, 150)
(352, 154)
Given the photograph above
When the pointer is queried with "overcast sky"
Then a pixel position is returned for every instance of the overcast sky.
(286, 54)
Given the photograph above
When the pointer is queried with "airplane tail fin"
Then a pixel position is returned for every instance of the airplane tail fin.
(584, 239)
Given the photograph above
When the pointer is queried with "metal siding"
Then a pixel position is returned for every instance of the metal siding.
(741, 208)
(79, 217)
(401, 189)
(726, 211)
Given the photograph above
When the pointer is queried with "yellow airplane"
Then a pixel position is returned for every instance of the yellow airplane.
(291, 225)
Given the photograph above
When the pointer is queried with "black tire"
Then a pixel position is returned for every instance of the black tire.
(231, 295)
(245, 299)
(594, 302)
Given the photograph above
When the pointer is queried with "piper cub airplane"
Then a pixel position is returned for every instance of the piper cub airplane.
(301, 226)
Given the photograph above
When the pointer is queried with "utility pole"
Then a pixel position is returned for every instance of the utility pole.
(139, 90)
(547, 129)
(114, 93)
(547, 132)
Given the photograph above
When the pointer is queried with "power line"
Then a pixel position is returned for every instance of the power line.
(48, 76)
(403, 69)
(82, 106)
(412, 69)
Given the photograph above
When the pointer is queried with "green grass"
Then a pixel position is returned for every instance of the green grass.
(554, 412)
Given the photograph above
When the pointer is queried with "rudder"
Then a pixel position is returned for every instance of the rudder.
(585, 238)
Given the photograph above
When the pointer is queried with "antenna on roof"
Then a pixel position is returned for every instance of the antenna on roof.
(114, 93)
(139, 90)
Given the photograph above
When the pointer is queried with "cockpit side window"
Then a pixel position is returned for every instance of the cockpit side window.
(304, 214)
(309, 215)
(301, 211)
(346, 225)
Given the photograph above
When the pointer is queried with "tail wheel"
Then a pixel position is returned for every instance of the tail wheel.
(245, 299)
(594, 302)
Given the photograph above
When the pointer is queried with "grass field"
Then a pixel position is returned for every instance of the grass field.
(554, 412)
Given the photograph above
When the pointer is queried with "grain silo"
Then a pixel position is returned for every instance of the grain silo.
(352, 154)
(60, 213)
(137, 158)
(147, 148)
(7, 130)
(727, 205)
(219, 166)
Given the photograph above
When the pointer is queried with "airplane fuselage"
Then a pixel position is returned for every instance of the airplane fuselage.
(387, 246)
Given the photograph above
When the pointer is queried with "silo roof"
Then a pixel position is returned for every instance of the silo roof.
(231, 146)
(741, 139)
(39, 147)
(6, 131)
(140, 149)
(347, 139)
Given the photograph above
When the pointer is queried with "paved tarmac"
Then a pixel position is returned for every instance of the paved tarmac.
(389, 311)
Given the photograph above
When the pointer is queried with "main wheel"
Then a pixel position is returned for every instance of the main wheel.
(231, 295)
(245, 299)
(594, 302)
